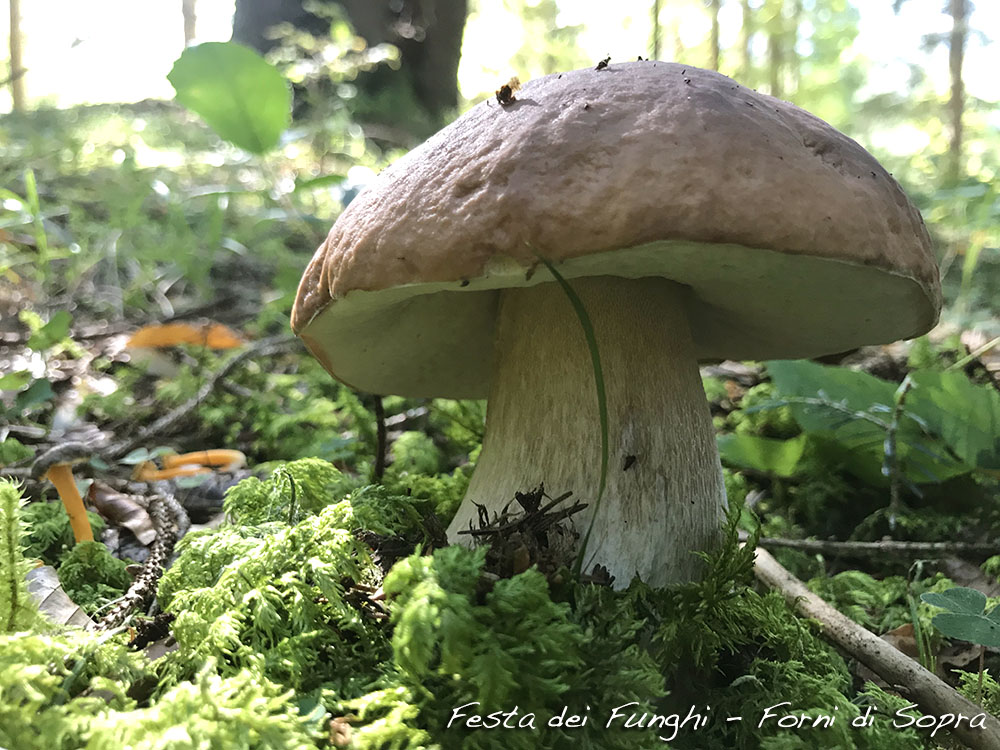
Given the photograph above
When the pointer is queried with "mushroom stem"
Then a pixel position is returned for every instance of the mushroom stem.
(664, 498)
(61, 476)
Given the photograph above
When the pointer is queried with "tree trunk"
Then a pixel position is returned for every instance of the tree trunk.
(746, 34)
(792, 58)
(187, 8)
(654, 51)
(959, 10)
(17, 92)
(714, 7)
(428, 34)
(775, 48)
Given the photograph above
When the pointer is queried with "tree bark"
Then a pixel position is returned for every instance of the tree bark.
(959, 10)
(775, 49)
(746, 33)
(17, 89)
(714, 7)
(655, 41)
(190, 20)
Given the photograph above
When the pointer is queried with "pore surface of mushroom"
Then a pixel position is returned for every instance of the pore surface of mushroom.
(695, 218)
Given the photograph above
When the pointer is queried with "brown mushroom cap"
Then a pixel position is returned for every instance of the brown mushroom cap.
(793, 239)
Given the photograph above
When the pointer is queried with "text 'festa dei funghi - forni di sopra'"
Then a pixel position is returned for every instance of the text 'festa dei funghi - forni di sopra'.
(631, 716)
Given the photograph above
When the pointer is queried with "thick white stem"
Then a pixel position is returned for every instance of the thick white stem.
(665, 496)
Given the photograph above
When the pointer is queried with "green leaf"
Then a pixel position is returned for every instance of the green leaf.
(973, 628)
(12, 451)
(958, 600)
(14, 381)
(34, 395)
(51, 333)
(965, 415)
(853, 410)
(243, 98)
(778, 457)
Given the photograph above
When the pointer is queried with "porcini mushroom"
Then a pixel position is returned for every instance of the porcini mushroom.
(695, 218)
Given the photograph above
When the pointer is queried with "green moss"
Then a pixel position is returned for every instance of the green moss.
(415, 453)
(241, 712)
(756, 415)
(52, 687)
(50, 535)
(292, 492)
(17, 611)
(280, 597)
(92, 577)
(277, 636)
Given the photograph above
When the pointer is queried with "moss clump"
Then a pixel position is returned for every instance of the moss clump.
(53, 686)
(280, 645)
(92, 577)
(284, 599)
(761, 413)
(49, 533)
(292, 492)
(414, 452)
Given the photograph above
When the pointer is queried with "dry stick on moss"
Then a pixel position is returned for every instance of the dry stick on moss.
(261, 348)
(929, 692)
(888, 547)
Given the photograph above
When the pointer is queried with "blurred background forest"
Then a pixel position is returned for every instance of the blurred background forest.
(912, 80)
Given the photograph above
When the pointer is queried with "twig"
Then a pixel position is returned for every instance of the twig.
(261, 348)
(502, 525)
(887, 547)
(170, 522)
(929, 692)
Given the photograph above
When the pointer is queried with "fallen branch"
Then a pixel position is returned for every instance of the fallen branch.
(929, 692)
(259, 349)
(887, 547)
(170, 522)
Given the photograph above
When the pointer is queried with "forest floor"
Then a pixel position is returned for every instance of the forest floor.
(146, 276)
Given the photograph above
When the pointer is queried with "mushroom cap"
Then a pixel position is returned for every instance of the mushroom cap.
(792, 239)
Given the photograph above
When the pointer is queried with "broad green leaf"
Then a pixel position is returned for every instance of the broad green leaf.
(855, 411)
(959, 600)
(779, 457)
(965, 415)
(242, 97)
(973, 628)
(34, 395)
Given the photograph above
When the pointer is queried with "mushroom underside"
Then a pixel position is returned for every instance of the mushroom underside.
(435, 338)
(664, 497)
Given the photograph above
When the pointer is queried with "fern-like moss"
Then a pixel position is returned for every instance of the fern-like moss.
(17, 612)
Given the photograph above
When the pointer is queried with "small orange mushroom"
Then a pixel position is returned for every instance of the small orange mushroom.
(212, 335)
(187, 464)
(56, 466)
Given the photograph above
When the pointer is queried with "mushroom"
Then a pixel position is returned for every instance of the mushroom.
(56, 466)
(695, 218)
(189, 464)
